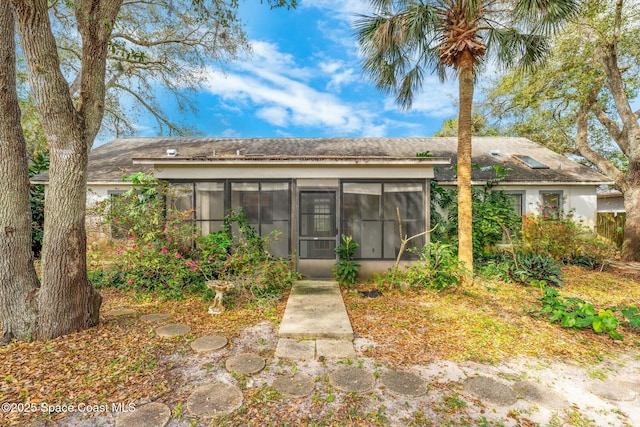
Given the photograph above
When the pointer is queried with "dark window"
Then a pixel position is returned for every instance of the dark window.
(210, 209)
(551, 203)
(267, 207)
(518, 198)
(370, 215)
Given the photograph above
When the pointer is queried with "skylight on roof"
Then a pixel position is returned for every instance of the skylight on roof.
(530, 161)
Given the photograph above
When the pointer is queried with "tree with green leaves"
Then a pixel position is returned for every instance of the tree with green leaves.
(479, 126)
(581, 102)
(71, 112)
(405, 39)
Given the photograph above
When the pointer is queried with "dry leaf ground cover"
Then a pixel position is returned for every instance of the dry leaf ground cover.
(123, 360)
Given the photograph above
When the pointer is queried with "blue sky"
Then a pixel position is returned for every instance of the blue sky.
(304, 79)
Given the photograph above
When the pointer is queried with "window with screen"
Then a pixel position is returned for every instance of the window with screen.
(370, 215)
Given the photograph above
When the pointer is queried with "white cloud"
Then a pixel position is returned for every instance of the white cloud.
(280, 92)
(339, 75)
(342, 9)
(275, 115)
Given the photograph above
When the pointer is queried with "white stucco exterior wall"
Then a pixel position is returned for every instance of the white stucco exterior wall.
(581, 200)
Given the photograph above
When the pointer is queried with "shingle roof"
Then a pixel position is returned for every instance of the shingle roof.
(109, 162)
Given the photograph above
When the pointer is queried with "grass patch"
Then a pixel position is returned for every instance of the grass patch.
(488, 321)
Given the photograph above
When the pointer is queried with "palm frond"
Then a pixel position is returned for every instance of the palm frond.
(396, 48)
(512, 48)
(545, 16)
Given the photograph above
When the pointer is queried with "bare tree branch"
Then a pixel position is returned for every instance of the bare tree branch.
(582, 143)
(157, 115)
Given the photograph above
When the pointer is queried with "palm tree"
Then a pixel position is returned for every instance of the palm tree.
(406, 39)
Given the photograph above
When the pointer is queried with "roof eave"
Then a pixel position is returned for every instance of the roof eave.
(533, 183)
(295, 161)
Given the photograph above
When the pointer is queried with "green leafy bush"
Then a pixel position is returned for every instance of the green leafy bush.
(564, 239)
(533, 269)
(576, 313)
(437, 268)
(38, 162)
(493, 214)
(346, 269)
(520, 267)
(164, 252)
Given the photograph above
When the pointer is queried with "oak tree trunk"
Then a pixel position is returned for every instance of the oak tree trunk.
(631, 244)
(465, 230)
(66, 302)
(18, 280)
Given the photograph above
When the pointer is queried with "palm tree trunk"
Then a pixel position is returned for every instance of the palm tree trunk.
(465, 88)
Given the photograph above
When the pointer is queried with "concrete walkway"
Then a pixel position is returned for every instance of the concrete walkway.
(315, 310)
(315, 323)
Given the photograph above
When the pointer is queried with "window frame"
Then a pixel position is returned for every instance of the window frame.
(384, 221)
(560, 209)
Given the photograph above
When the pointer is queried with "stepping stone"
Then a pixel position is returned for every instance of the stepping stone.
(404, 383)
(120, 312)
(173, 330)
(352, 379)
(613, 390)
(489, 390)
(214, 399)
(209, 343)
(335, 349)
(150, 415)
(541, 395)
(289, 348)
(296, 386)
(155, 317)
(245, 364)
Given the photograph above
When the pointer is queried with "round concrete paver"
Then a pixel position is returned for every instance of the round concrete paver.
(352, 379)
(536, 393)
(155, 317)
(403, 383)
(245, 364)
(173, 330)
(150, 415)
(214, 399)
(489, 390)
(296, 386)
(209, 343)
(613, 390)
(120, 312)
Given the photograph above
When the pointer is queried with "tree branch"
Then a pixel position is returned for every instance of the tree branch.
(159, 117)
(186, 40)
(582, 143)
(614, 130)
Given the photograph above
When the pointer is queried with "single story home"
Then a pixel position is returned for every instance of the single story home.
(313, 190)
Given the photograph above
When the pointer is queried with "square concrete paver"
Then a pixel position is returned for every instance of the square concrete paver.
(288, 348)
(315, 309)
(335, 349)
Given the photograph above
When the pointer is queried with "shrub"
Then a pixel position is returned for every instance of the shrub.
(562, 238)
(493, 214)
(533, 269)
(346, 270)
(577, 313)
(437, 268)
(521, 267)
(164, 251)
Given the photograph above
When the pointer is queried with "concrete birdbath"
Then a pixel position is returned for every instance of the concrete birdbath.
(220, 287)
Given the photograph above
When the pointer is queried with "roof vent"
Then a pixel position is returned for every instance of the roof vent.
(495, 152)
(172, 152)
